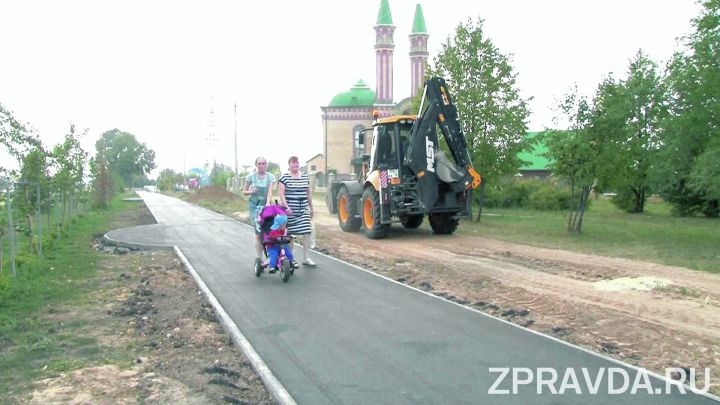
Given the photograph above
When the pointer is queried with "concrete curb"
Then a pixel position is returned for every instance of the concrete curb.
(273, 385)
(277, 390)
(136, 246)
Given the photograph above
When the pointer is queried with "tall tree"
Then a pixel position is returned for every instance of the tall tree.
(69, 161)
(635, 114)
(126, 156)
(33, 178)
(494, 116)
(585, 153)
(691, 131)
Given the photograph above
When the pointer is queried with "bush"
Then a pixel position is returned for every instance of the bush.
(624, 200)
(550, 197)
(540, 194)
(511, 193)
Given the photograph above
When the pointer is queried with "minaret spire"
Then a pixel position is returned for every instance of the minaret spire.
(384, 48)
(418, 51)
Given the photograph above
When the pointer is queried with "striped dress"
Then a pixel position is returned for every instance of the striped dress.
(296, 192)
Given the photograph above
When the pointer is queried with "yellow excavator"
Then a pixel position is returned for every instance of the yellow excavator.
(408, 175)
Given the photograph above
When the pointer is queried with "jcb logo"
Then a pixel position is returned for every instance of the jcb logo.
(430, 154)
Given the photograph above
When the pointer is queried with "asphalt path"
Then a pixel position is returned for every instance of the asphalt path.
(337, 334)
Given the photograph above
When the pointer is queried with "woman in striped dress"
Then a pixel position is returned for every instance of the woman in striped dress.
(294, 191)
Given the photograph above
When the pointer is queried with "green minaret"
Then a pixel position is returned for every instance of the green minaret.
(384, 48)
(418, 51)
(384, 15)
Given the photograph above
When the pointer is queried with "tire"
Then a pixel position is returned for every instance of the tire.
(411, 221)
(285, 269)
(347, 211)
(443, 224)
(371, 215)
(258, 267)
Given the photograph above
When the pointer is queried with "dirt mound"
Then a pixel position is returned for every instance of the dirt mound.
(213, 193)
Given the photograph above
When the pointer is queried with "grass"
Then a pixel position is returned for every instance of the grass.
(32, 345)
(654, 236)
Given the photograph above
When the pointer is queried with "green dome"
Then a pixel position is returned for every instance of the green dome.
(359, 96)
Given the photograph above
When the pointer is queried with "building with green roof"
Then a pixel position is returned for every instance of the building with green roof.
(350, 111)
(536, 163)
(359, 95)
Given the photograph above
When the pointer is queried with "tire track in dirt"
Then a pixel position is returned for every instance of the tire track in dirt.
(552, 291)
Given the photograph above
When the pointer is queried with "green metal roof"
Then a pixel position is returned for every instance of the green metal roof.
(535, 157)
(359, 95)
(384, 16)
(419, 21)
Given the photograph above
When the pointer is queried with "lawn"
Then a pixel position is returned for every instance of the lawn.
(655, 235)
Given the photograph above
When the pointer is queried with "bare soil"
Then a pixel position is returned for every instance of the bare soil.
(552, 291)
(150, 308)
(213, 193)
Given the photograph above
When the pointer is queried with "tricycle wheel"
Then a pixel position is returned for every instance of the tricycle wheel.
(285, 269)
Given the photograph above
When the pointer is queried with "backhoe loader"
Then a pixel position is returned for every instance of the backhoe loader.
(411, 172)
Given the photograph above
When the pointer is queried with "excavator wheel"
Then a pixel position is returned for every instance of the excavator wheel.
(371, 215)
(411, 221)
(347, 211)
(443, 224)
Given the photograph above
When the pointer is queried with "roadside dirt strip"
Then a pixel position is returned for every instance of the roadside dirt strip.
(642, 313)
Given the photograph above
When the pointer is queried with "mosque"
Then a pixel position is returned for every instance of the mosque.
(351, 111)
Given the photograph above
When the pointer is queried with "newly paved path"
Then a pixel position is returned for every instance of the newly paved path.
(337, 334)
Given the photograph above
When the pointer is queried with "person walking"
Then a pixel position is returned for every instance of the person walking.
(294, 192)
(259, 186)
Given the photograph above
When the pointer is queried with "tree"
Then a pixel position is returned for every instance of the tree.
(220, 173)
(69, 161)
(692, 128)
(584, 153)
(494, 116)
(14, 137)
(18, 142)
(168, 179)
(33, 178)
(273, 168)
(634, 115)
(126, 157)
(705, 174)
(102, 178)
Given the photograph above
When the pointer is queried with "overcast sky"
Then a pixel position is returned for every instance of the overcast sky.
(157, 69)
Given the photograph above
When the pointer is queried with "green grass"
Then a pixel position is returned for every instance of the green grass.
(31, 345)
(654, 236)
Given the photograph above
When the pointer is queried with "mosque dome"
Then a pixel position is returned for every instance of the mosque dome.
(359, 95)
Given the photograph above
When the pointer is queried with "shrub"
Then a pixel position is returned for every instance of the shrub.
(550, 197)
(624, 200)
(540, 194)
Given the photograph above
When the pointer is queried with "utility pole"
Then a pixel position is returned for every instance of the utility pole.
(236, 164)
(327, 177)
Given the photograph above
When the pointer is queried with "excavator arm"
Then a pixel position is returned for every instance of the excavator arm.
(424, 157)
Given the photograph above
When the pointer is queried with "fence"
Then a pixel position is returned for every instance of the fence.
(31, 215)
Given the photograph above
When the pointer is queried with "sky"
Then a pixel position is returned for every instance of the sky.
(172, 72)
